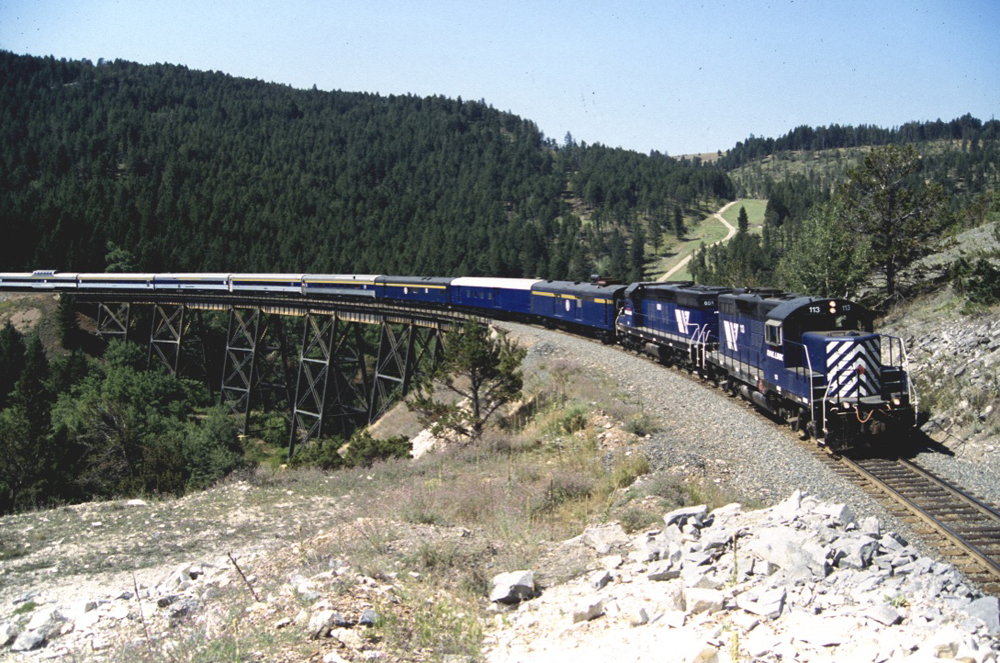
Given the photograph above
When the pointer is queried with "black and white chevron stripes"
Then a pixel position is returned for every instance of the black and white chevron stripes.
(854, 368)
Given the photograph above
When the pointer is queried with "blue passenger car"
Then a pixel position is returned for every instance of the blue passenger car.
(580, 305)
(502, 298)
(421, 289)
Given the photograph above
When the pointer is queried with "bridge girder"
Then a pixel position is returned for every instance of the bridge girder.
(337, 383)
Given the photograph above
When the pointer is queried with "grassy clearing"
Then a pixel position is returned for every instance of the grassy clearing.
(704, 230)
(755, 208)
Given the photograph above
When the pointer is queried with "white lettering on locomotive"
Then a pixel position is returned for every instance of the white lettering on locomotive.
(683, 320)
(733, 331)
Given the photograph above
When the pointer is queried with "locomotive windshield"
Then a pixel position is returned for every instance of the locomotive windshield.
(827, 315)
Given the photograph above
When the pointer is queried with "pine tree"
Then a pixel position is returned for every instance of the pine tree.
(31, 393)
(899, 212)
(743, 221)
(679, 228)
(11, 361)
(479, 367)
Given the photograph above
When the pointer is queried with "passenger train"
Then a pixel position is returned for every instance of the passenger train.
(813, 362)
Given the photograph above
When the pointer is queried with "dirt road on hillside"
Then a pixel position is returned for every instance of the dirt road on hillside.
(729, 235)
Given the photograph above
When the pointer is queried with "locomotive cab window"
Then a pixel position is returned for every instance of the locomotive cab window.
(772, 333)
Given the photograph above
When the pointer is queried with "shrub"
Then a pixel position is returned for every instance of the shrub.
(324, 454)
(642, 425)
(365, 449)
(980, 283)
(212, 449)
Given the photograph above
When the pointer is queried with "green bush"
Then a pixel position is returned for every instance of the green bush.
(365, 450)
(324, 454)
(980, 283)
(211, 448)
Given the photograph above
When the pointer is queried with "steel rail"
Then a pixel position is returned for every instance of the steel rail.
(978, 505)
(991, 565)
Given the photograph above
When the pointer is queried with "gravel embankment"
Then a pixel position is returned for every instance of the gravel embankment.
(704, 431)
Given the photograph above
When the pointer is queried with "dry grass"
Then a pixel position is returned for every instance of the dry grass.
(436, 529)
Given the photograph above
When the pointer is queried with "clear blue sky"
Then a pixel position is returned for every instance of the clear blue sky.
(675, 76)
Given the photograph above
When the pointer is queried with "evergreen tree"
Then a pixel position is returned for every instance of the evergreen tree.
(743, 221)
(637, 254)
(679, 228)
(899, 212)
(11, 361)
(31, 393)
(655, 233)
(482, 368)
(828, 260)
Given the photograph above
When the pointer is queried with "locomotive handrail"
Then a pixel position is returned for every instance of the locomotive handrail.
(911, 390)
(812, 390)
(700, 345)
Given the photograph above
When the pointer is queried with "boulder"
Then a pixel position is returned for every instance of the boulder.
(766, 603)
(320, 623)
(369, 617)
(988, 610)
(8, 633)
(703, 600)
(603, 538)
(513, 587)
(857, 551)
(692, 514)
(588, 609)
(663, 570)
(600, 579)
(884, 614)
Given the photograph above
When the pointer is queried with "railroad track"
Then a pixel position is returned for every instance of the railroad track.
(961, 527)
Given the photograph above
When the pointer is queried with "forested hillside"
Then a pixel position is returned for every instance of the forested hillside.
(189, 170)
(845, 203)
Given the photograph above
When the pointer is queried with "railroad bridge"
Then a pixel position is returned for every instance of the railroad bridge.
(339, 382)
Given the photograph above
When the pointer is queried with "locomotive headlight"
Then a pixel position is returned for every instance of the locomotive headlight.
(845, 405)
(896, 401)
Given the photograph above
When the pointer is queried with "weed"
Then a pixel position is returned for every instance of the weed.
(377, 533)
(7, 554)
(24, 608)
(573, 419)
(897, 601)
(635, 519)
(641, 425)
(440, 627)
(627, 469)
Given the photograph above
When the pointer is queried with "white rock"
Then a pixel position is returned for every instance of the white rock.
(47, 622)
(513, 586)
(820, 631)
(603, 538)
(703, 600)
(588, 609)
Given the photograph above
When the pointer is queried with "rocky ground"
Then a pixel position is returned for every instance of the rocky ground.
(801, 581)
